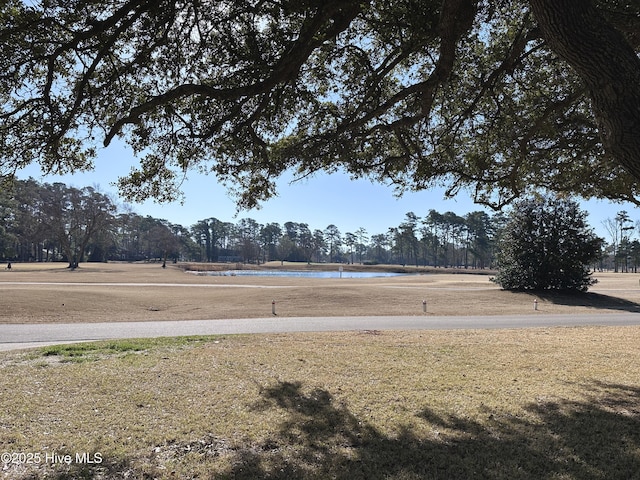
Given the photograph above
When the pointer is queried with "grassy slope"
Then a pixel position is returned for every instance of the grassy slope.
(539, 403)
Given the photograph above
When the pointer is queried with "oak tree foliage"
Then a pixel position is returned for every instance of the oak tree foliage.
(547, 245)
(496, 97)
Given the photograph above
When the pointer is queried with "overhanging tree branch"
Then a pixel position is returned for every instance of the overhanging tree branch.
(418, 93)
(607, 65)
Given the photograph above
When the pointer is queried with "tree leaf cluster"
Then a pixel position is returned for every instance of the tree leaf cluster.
(499, 98)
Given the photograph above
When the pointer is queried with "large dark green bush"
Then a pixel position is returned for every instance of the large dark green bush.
(546, 245)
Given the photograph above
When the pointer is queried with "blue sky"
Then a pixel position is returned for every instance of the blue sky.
(318, 201)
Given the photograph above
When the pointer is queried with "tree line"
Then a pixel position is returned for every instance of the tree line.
(55, 222)
(622, 253)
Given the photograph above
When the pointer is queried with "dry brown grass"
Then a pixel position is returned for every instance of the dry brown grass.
(557, 403)
(126, 292)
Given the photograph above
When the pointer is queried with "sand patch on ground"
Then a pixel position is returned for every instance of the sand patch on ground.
(39, 293)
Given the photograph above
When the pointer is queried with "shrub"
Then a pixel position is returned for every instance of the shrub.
(546, 245)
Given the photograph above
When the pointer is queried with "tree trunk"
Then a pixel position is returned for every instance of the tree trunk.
(608, 66)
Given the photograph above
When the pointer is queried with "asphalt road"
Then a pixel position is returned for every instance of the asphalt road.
(13, 337)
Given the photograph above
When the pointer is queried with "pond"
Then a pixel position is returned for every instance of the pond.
(301, 274)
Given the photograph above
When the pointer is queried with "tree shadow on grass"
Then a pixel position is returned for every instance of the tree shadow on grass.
(320, 438)
(588, 299)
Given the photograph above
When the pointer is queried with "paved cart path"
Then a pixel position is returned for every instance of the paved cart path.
(20, 336)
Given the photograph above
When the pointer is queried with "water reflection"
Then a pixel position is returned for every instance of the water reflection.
(301, 274)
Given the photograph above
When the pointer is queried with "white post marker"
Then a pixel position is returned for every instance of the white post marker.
(340, 270)
(424, 306)
(273, 307)
(535, 304)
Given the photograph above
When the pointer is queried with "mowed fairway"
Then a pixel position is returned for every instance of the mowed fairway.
(112, 292)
